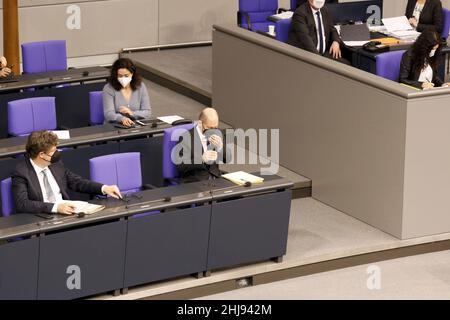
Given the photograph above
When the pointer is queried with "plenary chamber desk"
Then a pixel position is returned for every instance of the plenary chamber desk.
(89, 142)
(70, 87)
(154, 235)
(374, 149)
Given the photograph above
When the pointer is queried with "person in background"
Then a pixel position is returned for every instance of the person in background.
(4, 70)
(125, 97)
(41, 183)
(312, 29)
(419, 63)
(425, 15)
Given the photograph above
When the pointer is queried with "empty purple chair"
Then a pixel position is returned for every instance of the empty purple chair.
(282, 28)
(121, 169)
(44, 56)
(253, 14)
(96, 107)
(388, 64)
(7, 198)
(170, 140)
(446, 24)
(33, 114)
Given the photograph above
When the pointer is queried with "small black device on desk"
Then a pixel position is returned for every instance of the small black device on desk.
(376, 46)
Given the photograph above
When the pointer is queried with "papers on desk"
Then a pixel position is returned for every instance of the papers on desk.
(86, 207)
(170, 119)
(62, 134)
(381, 29)
(241, 177)
(355, 43)
(400, 28)
(282, 16)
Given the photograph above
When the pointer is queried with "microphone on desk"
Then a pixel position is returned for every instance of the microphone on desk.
(247, 184)
(145, 204)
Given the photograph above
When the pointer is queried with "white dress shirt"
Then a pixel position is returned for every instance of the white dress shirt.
(317, 28)
(426, 75)
(417, 11)
(202, 139)
(53, 185)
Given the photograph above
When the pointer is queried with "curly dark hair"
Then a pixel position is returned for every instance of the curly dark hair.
(422, 47)
(124, 63)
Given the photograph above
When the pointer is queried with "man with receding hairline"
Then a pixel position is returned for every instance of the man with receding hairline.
(205, 146)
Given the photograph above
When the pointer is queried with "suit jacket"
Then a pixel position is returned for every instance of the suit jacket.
(431, 16)
(196, 169)
(303, 32)
(410, 76)
(27, 191)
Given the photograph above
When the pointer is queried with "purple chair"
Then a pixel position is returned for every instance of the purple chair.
(96, 108)
(7, 198)
(282, 28)
(44, 56)
(388, 64)
(170, 140)
(253, 14)
(33, 114)
(121, 169)
(446, 24)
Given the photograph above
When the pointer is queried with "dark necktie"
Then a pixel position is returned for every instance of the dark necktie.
(319, 22)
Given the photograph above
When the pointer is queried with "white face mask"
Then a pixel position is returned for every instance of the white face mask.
(432, 53)
(125, 81)
(319, 3)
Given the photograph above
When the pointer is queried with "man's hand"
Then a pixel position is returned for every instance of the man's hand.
(3, 62)
(125, 110)
(427, 85)
(127, 122)
(5, 72)
(112, 191)
(413, 22)
(335, 50)
(216, 141)
(65, 209)
(209, 156)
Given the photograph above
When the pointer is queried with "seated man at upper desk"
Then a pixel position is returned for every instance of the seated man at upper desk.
(312, 29)
(41, 183)
(201, 149)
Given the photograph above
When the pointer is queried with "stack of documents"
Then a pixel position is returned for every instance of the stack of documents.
(283, 15)
(400, 28)
(241, 178)
(86, 207)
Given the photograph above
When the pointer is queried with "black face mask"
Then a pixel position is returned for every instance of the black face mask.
(55, 157)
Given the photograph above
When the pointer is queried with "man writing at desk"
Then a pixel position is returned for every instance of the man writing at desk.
(312, 29)
(41, 183)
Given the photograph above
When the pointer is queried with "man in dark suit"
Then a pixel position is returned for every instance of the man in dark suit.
(312, 29)
(201, 149)
(425, 15)
(41, 183)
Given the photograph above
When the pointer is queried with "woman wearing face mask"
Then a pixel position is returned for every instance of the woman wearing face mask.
(425, 15)
(125, 96)
(419, 64)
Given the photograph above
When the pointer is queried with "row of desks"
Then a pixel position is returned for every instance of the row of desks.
(72, 99)
(155, 235)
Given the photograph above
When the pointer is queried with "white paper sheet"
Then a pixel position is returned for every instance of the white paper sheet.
(62, 134)
(170, 119)
(355, 43)
(397, 24)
